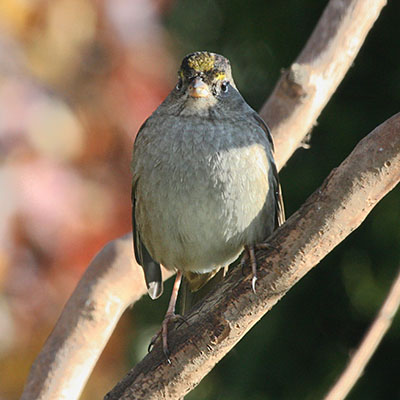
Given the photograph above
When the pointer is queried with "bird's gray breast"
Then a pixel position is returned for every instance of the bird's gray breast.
(202, 190)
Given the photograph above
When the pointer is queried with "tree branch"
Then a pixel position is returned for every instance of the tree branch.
(114, 281)
(327, 217)
(306, 87)
(369, 344)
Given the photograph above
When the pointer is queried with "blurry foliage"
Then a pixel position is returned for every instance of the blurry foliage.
(77, 78)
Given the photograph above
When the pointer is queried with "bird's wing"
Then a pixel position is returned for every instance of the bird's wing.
(279, 206)
(152, 270)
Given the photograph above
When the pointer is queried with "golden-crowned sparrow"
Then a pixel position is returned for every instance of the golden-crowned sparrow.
(205, 184)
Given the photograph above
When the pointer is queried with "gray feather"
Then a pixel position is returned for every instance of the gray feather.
(151, 269)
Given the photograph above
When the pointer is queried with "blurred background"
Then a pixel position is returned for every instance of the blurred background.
(77, 79)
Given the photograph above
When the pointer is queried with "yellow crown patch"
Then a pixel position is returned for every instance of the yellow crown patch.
(201, 62)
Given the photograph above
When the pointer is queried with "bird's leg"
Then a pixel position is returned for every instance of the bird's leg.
(170, 313)
(169, 316)
(253, 262)
(249, 254)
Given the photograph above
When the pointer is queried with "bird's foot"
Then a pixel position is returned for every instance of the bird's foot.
(249, 254)
(163, 333)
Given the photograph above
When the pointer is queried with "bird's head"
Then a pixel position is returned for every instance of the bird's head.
(204, 75)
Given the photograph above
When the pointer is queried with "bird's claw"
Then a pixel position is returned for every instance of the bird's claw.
(253, 283)
(249, 254)
(163, 332)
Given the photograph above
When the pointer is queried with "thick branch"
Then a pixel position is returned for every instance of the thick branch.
(329, 215)
(60, 373)
(306, 87)
(112, 281)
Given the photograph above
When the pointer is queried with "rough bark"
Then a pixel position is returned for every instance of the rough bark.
(215, 325)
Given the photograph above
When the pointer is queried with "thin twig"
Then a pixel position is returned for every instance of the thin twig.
(369, 344)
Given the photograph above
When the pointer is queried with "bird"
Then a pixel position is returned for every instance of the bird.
(205, 186)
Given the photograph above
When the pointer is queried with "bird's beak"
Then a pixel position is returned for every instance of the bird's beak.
(198, 88)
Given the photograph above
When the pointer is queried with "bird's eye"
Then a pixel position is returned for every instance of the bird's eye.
(224, 86)
(179, 85)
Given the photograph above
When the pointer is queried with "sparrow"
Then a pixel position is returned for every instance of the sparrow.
(205, 186)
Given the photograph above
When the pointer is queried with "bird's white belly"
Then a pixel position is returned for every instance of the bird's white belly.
(205, 215)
